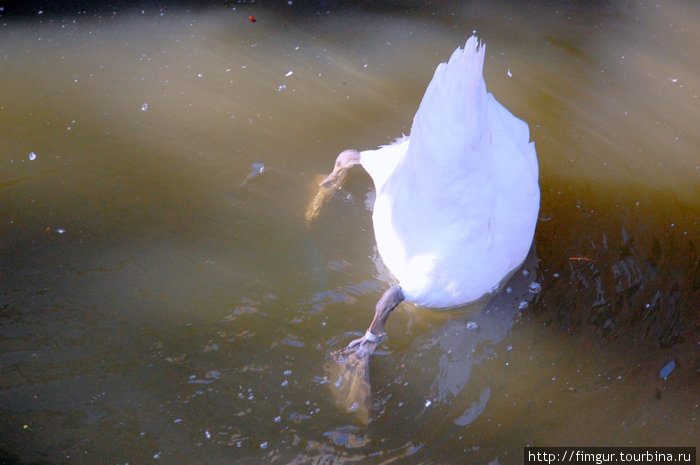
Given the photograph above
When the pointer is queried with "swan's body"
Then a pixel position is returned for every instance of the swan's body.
(457, 201)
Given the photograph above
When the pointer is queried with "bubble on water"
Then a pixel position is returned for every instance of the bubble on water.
(281, 88)
(32, 156)
(289, 73)
(428, 403)
(522, 305)
(144, 106)
(207, 434)
(535, 287)
(526, 273)
(472, 325)
(285, 383)
(509, 73)
(277, 419)
(354, 406)
(287, 372)
(263, 445)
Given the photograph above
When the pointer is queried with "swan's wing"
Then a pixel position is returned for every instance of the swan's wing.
(446, 217)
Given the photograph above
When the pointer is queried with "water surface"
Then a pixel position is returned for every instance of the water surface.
(164, 299)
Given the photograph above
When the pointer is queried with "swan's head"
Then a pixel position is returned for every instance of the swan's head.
(346, 160)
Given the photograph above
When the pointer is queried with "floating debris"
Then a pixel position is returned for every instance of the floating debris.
(667, 370)
(144, 106)
(256, 169)
(509, 73)
(471, 325)
(32, 156)
(252, 18)
(289, 73)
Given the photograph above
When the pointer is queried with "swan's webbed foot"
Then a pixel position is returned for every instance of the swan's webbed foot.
(365, 346)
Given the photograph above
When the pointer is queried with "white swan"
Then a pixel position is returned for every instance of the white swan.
(457, 202)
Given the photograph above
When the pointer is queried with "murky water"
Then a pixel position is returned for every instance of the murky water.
(164, 299)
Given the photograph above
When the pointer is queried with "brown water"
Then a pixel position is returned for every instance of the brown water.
(162, 298)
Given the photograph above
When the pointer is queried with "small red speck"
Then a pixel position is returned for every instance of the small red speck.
(251, 18)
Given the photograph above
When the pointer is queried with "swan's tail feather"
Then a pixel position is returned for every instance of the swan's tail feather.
(451, 117)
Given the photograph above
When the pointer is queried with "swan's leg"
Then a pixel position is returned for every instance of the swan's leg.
(367, 344)
(391, 298)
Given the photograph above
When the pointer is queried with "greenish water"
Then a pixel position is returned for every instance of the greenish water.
(163, 299)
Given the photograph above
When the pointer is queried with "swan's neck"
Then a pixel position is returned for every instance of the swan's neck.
(382, 162)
